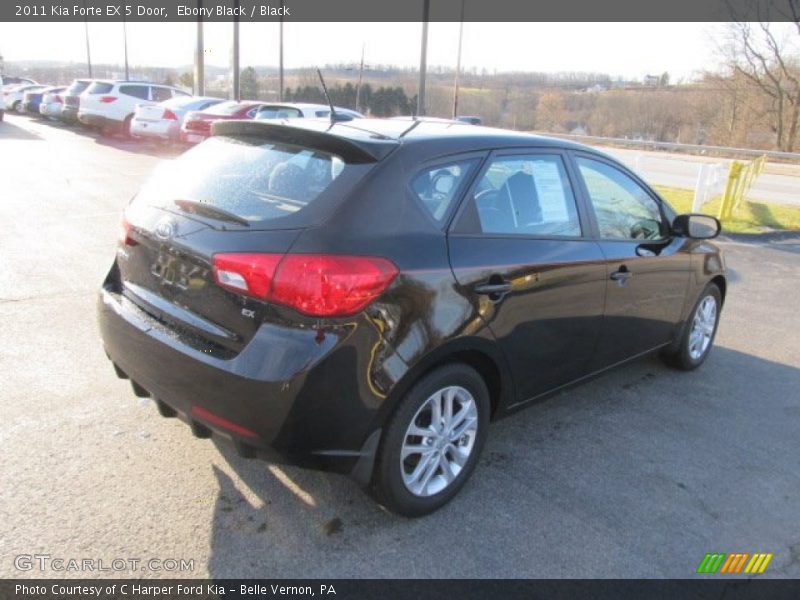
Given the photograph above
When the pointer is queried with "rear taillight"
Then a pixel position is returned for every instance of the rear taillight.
(322, 285)
(58, 99)
(125, 233)
(318, 285)
(107, 99)
(169, 115)
(249, 274)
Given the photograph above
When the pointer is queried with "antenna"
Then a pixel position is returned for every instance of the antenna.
(327, 97)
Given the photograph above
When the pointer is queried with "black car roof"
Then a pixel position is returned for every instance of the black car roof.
(375, 138)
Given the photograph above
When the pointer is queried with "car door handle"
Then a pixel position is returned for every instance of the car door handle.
(493, 288)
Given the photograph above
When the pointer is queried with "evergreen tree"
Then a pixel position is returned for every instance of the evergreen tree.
(248, 84)
(187, 79)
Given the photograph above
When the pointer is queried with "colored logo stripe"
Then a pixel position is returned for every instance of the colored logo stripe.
(734, 563)
(758, 563)
(714, 562)
(710, 563)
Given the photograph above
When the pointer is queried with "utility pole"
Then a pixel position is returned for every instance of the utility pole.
(199, 56)
(458, 61)
(235, 95)
(423, 59)
(86, 33)
(360, 79)
(280, 59)
(125, 42)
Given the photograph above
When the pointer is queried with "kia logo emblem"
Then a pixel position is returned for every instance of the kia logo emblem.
(165, 229)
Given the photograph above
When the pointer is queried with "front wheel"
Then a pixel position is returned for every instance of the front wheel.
(433, 441)
(125, 128)
(699, 331)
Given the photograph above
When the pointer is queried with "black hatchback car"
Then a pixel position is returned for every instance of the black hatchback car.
(365, 297)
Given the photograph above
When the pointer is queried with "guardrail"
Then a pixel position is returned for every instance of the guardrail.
(688, 148)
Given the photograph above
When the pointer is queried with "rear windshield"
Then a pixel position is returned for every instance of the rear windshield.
(184, 101)
(227, 108)
(251, 178)
(100, 87)
(77, 87)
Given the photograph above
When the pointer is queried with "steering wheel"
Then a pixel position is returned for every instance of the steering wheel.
(646, 229)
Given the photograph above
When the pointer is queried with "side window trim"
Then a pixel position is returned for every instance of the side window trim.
(586, 225)
(586, 200)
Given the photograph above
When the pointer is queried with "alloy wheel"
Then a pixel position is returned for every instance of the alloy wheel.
(703, 324)
(439, 441)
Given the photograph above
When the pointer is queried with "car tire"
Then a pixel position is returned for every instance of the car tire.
(453, 445)
(126, 128)
(698, 333)
(17, 107)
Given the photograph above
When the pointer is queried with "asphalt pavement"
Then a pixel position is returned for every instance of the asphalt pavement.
(638, 473)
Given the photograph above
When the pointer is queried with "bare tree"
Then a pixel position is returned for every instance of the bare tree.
(770, 64)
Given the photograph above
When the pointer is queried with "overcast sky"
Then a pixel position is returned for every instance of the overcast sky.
(630, 50)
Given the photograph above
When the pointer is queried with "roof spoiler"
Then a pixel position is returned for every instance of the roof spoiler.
(351, 150)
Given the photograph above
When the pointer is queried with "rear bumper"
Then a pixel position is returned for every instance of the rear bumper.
(98, 121)
(154, 129)
(50, 109)
(193, 137)
(287, 397)
(69, 113)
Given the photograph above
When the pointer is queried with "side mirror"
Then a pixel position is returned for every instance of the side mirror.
(696, 226)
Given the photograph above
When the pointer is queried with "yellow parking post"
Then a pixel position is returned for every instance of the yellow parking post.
(730, 188)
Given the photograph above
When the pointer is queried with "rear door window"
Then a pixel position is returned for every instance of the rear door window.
(526, 195)
(137, 91)
(251, 178)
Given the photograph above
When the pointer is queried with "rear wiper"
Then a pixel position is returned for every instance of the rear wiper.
(207, 210)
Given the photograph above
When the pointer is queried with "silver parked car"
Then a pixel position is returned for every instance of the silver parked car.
(52, 102)
(163, 120)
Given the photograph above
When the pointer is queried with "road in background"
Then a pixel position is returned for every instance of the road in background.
(680, 171)
(637, 474)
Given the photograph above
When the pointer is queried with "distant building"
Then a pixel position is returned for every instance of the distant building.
(651, 80)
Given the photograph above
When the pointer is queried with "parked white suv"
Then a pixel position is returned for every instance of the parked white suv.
(7, 82)
(109, 105)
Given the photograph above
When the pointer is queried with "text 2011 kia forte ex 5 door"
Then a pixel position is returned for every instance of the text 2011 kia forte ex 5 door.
(365, 297)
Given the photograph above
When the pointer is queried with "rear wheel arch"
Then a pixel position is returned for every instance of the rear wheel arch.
(478, 353)
(126, 125)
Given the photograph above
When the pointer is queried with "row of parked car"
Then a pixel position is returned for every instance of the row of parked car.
(141, 109)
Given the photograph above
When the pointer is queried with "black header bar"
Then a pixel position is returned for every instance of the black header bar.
(398, 10)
